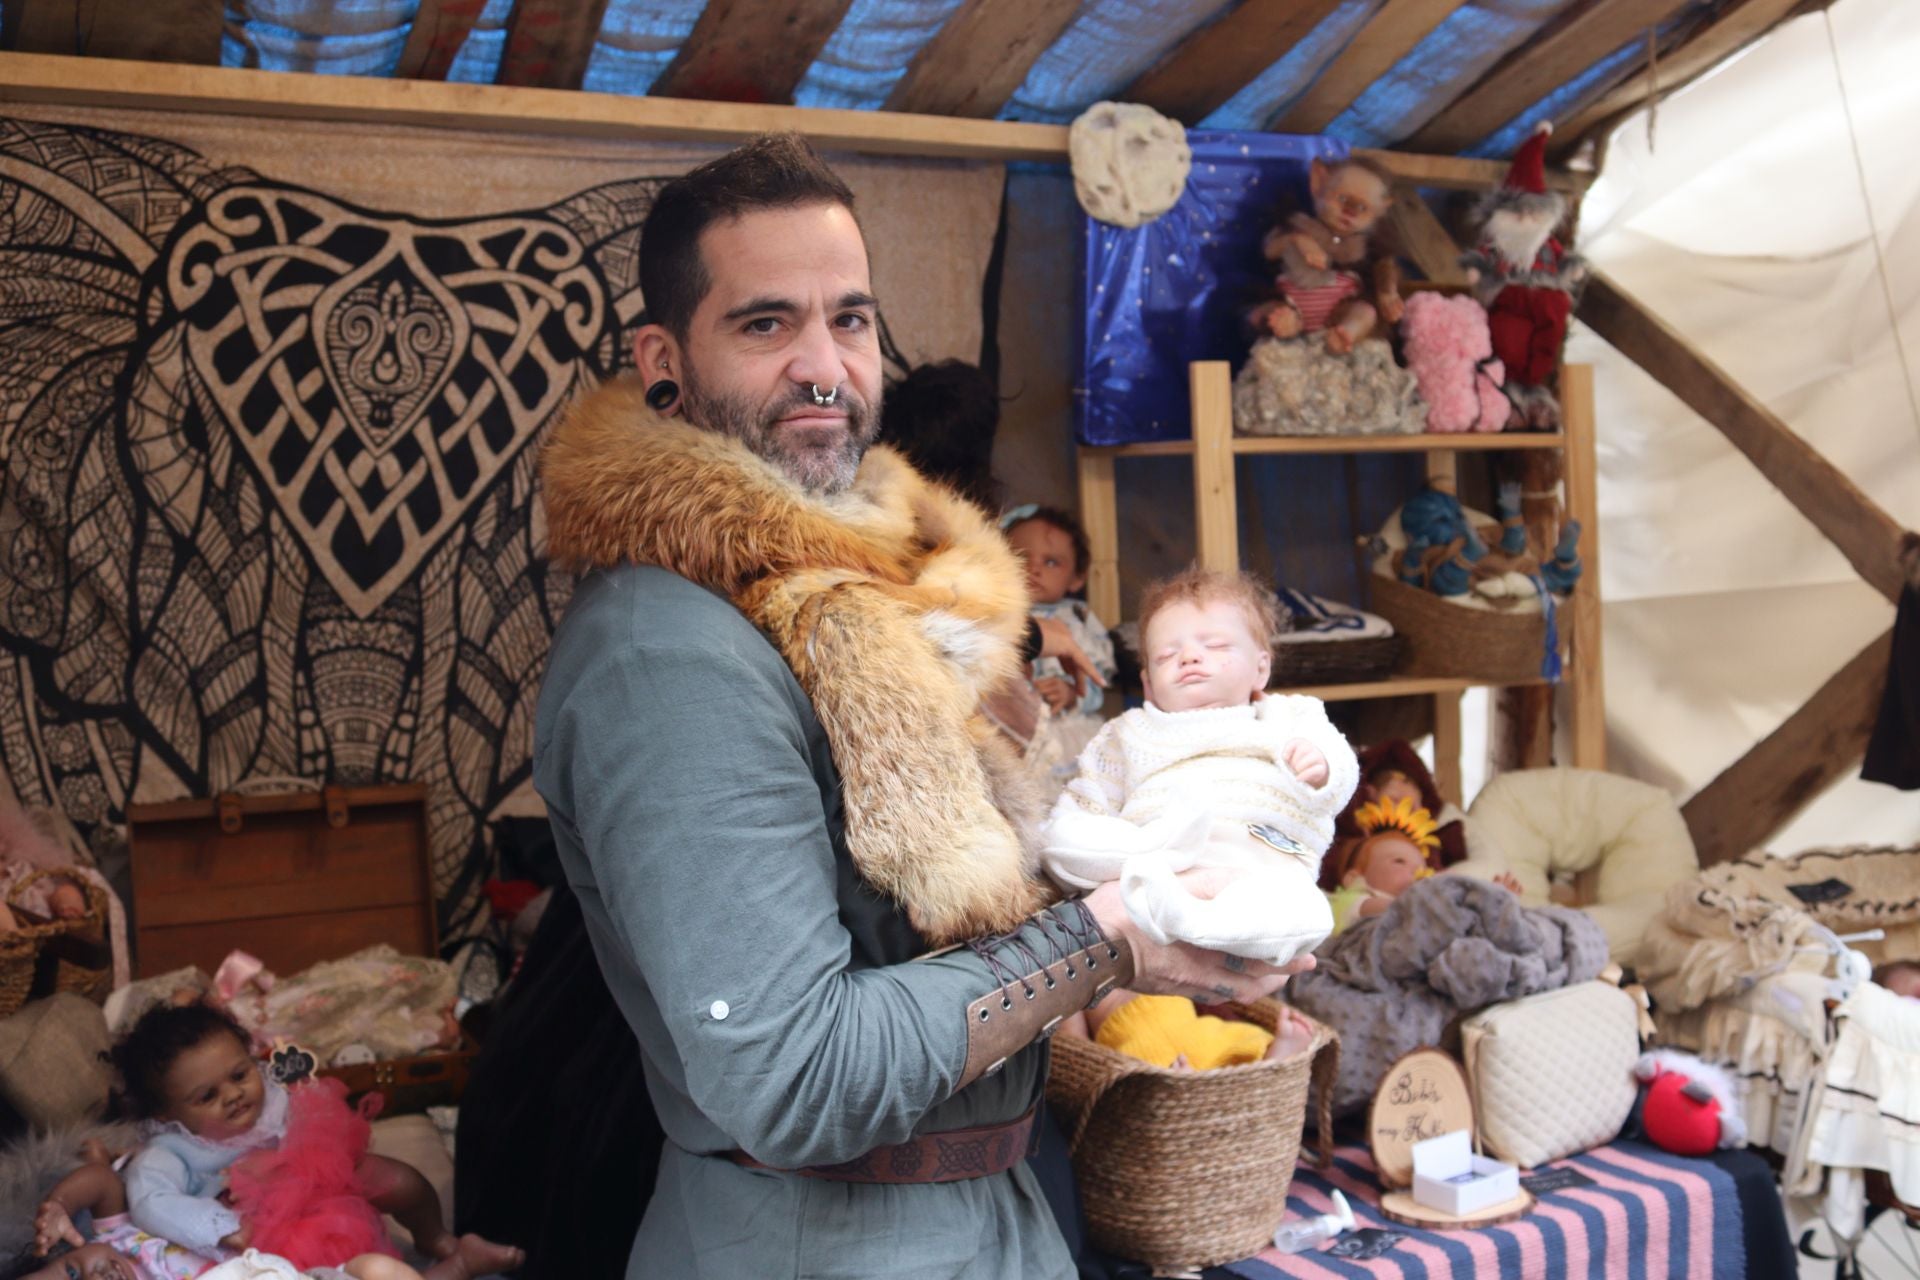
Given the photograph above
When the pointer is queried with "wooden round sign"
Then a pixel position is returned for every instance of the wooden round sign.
(1398, 1206)
(1423, 1096)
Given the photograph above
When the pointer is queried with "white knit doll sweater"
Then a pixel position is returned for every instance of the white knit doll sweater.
(1159, 792)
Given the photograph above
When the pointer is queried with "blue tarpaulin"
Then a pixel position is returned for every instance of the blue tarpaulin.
(1161, 295)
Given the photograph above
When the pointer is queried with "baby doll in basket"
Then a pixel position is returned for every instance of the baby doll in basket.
(241, 1171)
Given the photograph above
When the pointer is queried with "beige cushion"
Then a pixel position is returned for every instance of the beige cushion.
(413, 1140)
(1548, 822)
(1552, 1074)
(52, 1068)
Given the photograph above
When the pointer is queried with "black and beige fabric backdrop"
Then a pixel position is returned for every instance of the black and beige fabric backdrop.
(271, 395)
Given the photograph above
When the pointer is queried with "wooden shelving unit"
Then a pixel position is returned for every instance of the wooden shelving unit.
(1213, 450)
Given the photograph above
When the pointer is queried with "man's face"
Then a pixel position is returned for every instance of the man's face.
(790, 308)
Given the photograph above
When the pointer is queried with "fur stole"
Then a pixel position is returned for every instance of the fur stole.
(897, 604)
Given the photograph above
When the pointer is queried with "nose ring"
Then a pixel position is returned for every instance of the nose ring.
(824, 398)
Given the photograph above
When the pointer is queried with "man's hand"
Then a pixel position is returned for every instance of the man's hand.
(1308, 762)
(1181, 969)
(1056, 693)
(52, 1225)
(1056, 641)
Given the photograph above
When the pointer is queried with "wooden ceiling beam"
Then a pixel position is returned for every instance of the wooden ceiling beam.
(549, 43)
(1866, 535)
(980, 57)
(1822, 742)
(1567, 47)
(1711, 45)
(440, 30)
(147, 86)
(1217, 61)
(750, 50)
(1390, 35)
(185, 31)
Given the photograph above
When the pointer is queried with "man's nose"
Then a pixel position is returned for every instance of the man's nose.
(816, 358)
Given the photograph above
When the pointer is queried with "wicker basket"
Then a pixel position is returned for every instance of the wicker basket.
(1444, 639)
(57, 955)
(1303, 662)
(1186, 1169)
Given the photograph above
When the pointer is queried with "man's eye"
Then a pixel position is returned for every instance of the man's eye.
(761, 325)
(853, 322)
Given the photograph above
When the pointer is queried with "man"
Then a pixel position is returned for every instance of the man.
(740, 867)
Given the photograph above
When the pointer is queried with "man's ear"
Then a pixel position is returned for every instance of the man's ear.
(657, 357)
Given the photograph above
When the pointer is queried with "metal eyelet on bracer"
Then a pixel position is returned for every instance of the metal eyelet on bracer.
(983, 1015)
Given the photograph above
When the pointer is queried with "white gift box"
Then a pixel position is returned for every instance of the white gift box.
(1448, 1176)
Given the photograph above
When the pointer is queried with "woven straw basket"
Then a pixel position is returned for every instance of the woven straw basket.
(1445, 639)
(77, 950)
(1303, 662)
(1185, 1169)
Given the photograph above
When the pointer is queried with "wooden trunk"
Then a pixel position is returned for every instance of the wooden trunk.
(294, 878)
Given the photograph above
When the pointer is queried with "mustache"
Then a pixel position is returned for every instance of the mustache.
(801, 401)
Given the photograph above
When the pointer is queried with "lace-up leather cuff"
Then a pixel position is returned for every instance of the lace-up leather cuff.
(1073, 965)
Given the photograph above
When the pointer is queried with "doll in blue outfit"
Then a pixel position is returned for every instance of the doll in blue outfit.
(1056, 553)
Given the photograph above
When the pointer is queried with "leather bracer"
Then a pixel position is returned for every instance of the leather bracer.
(1040, 987)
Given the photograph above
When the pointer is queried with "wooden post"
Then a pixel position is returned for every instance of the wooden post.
(1100, 517)
(1216, 507)
(1522, 735)
(1446, 745)
(1586, 685)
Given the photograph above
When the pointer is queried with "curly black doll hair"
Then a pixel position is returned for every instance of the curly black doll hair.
(147, 1052)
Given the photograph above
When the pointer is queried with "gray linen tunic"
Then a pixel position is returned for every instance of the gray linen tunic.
(698, 817)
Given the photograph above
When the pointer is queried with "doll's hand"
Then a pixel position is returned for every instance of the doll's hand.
(238, 1241)
(1056, 641)
(1056, 693)
(1508, 881)
(1373, 906)
(1354, 880)
(1392, 307)
(1306, 761)
(1311, 253)
(52, 1225)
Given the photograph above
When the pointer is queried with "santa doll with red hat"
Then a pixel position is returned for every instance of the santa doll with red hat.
(1527, 281)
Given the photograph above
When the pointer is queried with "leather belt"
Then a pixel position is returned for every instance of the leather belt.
(953, 1156)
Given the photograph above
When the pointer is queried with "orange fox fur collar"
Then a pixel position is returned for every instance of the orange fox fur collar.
(896, 604)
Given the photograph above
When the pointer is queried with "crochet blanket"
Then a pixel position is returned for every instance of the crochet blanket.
(1448, 945)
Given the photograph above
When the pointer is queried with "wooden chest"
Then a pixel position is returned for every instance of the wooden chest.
(294, 878)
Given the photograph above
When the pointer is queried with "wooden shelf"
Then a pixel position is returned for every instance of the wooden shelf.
(1397, 687)
(1426, 443)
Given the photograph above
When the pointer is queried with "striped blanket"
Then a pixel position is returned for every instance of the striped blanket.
(1646, 1216)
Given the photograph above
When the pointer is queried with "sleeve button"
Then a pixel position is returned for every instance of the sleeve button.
(718, 1010)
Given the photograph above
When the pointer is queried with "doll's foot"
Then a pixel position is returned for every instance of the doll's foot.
(1339, 341)
(1293, 1036)
(1283, 322)
(472, 1256)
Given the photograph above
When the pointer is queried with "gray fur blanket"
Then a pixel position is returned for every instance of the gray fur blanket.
(31, 1166)
(1449, 944)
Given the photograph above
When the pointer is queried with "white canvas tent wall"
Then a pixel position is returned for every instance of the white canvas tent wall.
(1757, 220)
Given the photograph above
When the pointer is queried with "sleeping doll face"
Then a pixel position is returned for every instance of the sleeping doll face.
(1389, 863)
(1392, 784)
(1200, 656)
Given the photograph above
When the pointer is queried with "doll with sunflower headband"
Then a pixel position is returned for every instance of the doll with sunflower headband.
(1396, 845)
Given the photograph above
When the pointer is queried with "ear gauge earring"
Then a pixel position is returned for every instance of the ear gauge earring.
(662, 394)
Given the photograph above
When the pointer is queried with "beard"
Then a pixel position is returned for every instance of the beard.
(821, 460)
(1517, 235)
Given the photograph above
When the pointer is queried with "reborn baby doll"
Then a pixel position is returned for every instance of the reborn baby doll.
(1056, 554)
(234, 1161)
(1212, 772)
(1397, 838)
(1320, 257)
